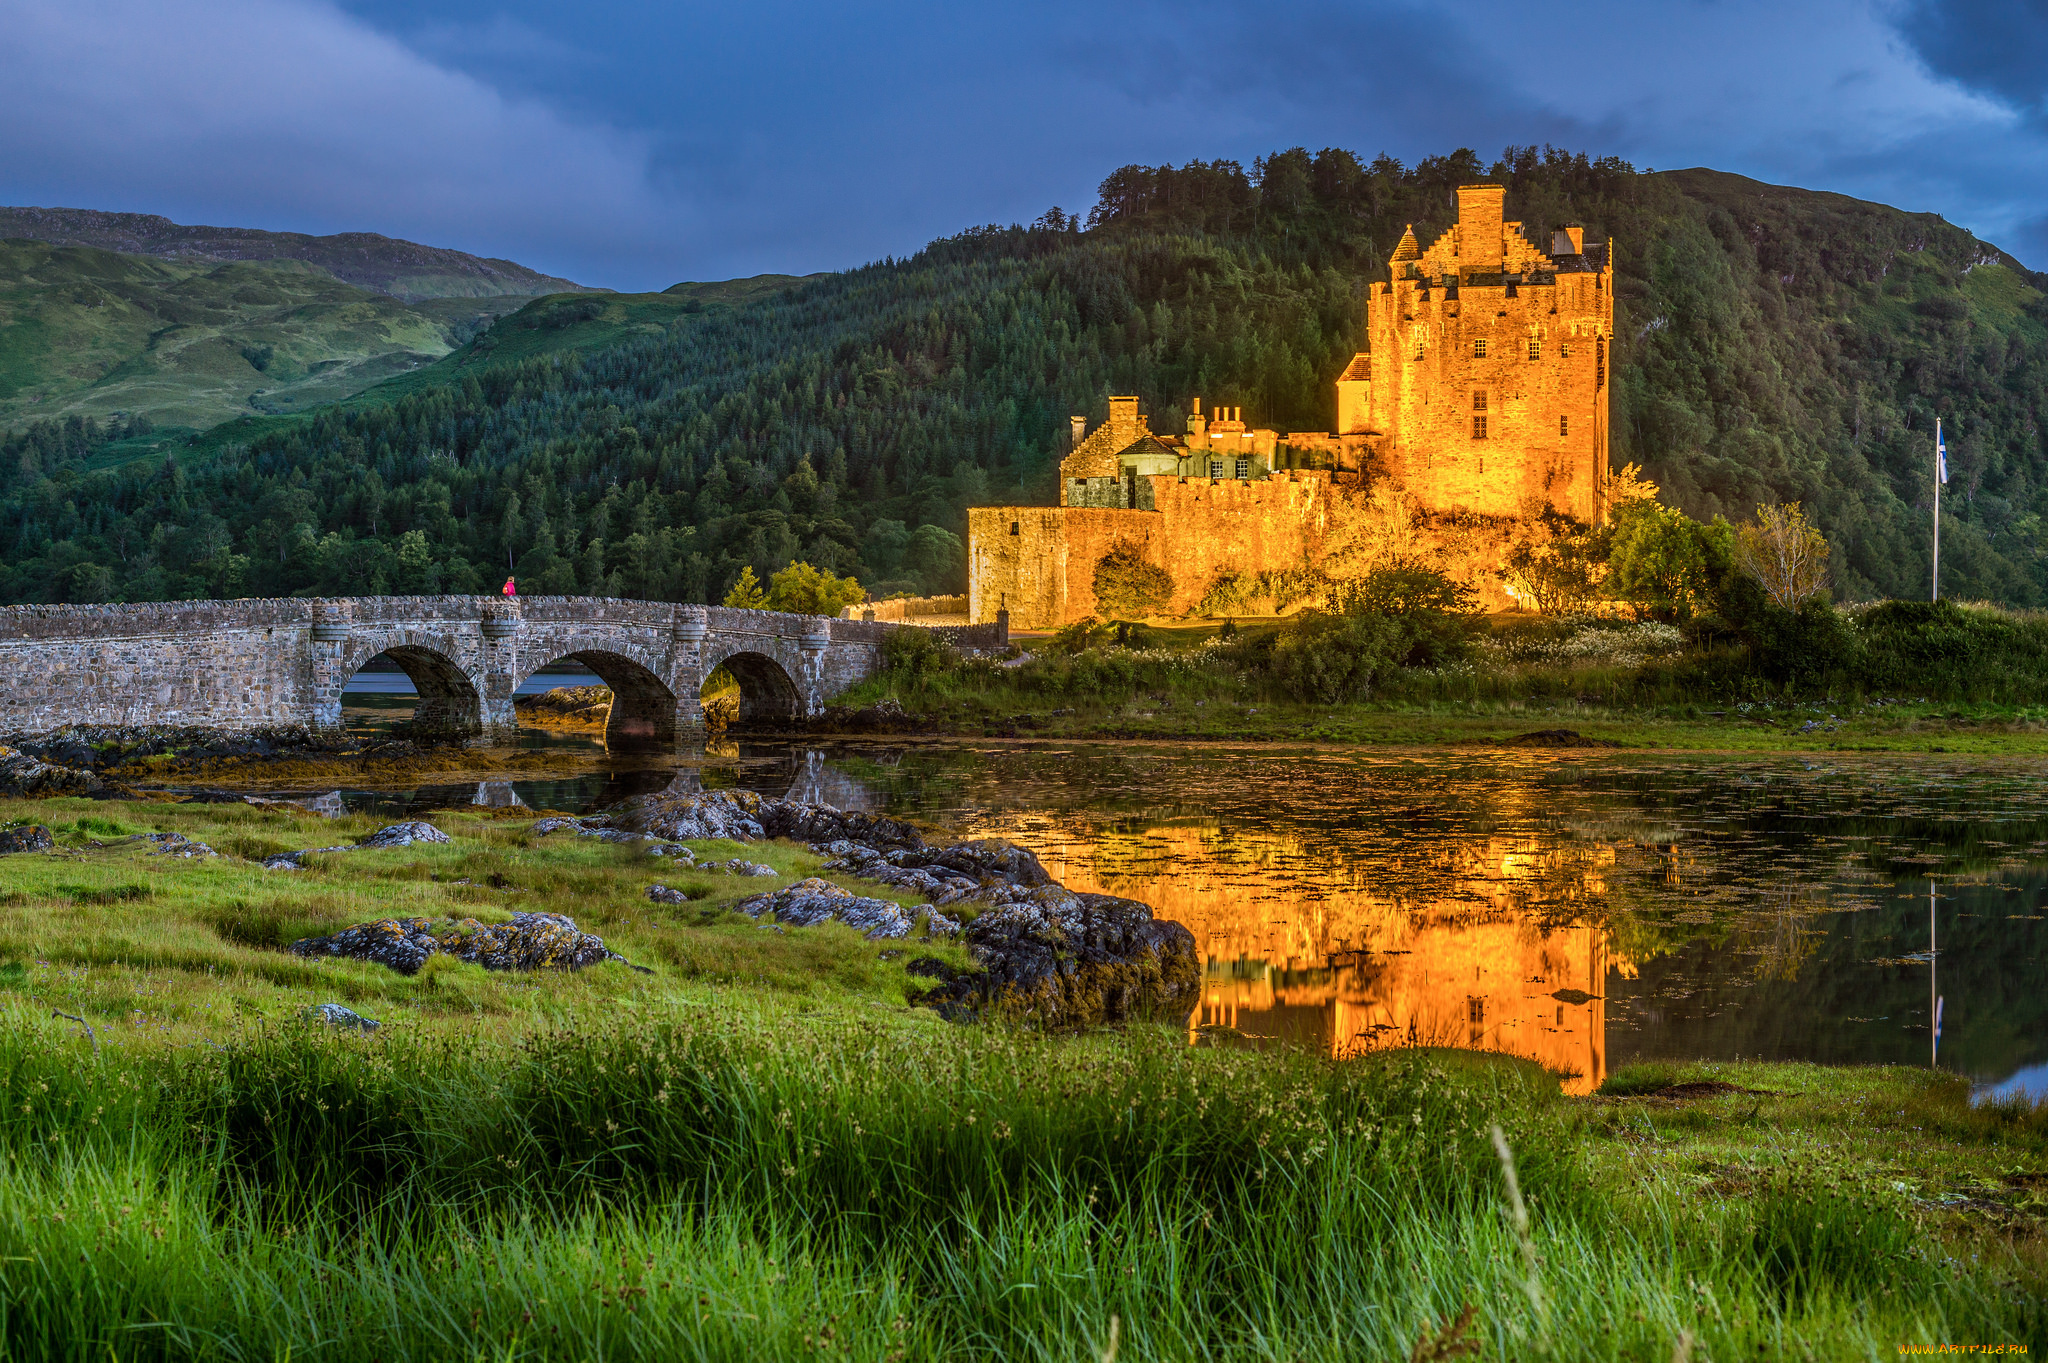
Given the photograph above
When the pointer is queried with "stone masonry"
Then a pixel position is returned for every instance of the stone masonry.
(1478, 409)
(252, 663)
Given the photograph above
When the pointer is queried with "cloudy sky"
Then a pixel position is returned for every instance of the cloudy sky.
(634, 145)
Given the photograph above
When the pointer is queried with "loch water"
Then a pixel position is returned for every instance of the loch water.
(1583, 909)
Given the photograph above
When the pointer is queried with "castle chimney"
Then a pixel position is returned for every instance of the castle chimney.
(1080, 424)
(1480, 250)
(1569, 240)
(1123, 423)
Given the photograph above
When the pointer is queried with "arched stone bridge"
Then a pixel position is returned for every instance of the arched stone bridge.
(245, 664)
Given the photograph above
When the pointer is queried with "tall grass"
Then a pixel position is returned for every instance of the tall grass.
(726, 1185)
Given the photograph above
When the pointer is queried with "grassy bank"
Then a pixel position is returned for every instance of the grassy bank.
(762, 1149)
(1479, 680)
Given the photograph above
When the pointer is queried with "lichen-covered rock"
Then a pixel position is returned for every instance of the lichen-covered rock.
(392, 835)
(676, 817)
(404, 835)
(24, 837)
(403, 944)
(334, 1015)
(1073, 960)
(32, 778)
(737, 867)
(328, 806)
(530, 941)
(666, 894)
(813, 901)
(178, 845)
(986, 871)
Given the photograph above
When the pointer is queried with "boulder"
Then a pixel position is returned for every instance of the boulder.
(24, 837)
(736, 867)
(530, 941)
(178, 845)
(29, 777)
(1073, 960)
(392, 835)
(334, 1015)
(813, 901)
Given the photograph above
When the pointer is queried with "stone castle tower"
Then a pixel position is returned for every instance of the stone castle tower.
(1482, 395)
(1483, 386)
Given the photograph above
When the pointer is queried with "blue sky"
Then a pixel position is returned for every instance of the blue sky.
(633, 145)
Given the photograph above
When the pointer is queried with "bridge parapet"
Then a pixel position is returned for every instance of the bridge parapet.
(278, 661)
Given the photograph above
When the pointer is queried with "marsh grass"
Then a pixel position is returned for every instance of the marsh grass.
(762, 1151)
(750, 1183)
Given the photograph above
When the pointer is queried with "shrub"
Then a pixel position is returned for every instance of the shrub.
(1127, 585)
(798, 589)
(1328, 659)
(1665, 563)
(1558, 578)
(1403, 587)
(804, 590)
(1785, 553)
(917, 656)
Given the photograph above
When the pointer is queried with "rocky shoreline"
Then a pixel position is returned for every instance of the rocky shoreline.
(1040, 951)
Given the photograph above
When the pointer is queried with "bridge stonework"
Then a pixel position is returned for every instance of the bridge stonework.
(252, 663)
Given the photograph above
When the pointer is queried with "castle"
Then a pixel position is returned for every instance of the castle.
(1477, 409)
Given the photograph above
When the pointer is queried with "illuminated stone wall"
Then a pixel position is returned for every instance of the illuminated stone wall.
(1479, 404)
(1485, 375)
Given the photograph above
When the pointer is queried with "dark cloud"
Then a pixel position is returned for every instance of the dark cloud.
(632, 145)
(1999, 47)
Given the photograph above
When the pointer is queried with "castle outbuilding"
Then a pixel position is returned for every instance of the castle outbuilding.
(1481, 398)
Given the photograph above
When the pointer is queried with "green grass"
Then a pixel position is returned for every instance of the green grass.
(1167, 686)
(94, 332)
(761, 1150)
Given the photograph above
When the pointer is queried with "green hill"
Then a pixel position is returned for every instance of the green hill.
(1775, 344)
(403, 269)
(190, 344)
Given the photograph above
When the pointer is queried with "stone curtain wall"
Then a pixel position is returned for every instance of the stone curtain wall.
(255, 663)
(1044, 574)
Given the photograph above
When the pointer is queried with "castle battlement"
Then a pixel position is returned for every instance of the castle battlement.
(1482, 391)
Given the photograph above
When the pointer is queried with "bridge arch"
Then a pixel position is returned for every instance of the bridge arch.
(644, 706)
(767, 689)
(450, 699)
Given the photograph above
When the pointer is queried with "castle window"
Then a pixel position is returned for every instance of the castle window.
(1599, 361)
(1215, 468)
(1535, 349)
(1564, 425)
(1479, 401)
(1479, 428)
(1013, 528)
(1244, 468)
(1564, 350)
(1479, 350)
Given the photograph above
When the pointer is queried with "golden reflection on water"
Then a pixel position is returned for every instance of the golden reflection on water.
(1491, 951)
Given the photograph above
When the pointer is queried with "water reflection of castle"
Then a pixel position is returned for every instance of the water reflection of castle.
(1482, 943)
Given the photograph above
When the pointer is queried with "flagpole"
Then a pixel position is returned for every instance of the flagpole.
(1938, 478)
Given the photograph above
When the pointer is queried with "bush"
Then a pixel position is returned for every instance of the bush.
(1801, 649)
(1329, 659)
(917, 656)
(1666, 564)
(1126, 585)
(1940, 648)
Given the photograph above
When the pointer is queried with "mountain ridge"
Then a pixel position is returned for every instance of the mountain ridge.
(406, 270)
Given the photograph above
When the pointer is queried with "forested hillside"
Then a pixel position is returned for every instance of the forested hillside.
(1774, 344)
